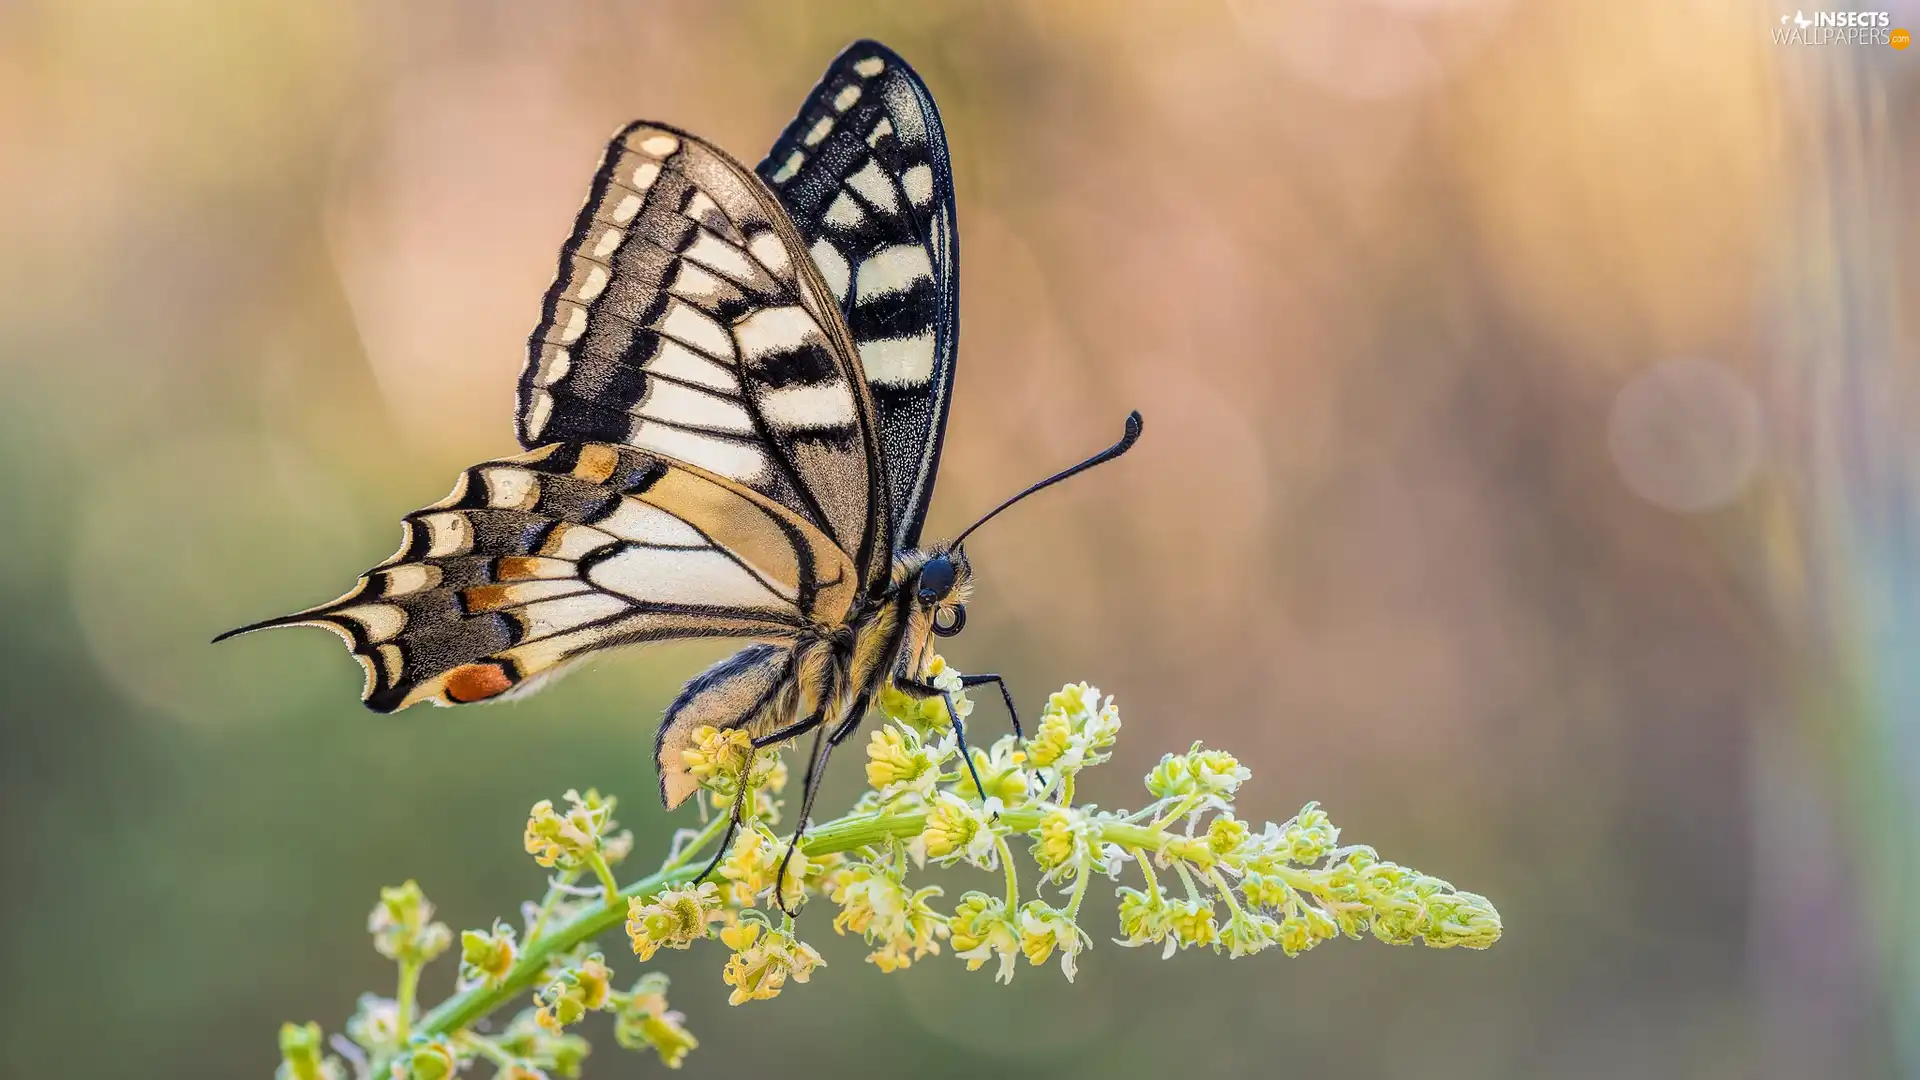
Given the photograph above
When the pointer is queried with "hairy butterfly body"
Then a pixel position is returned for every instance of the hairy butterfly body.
(732, 407)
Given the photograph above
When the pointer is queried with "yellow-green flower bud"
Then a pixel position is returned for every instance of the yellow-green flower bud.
(402, 928)
(436, 1060)
(1310, 836)
(643, 1021)
(1143, 917)
(487, 955)
(303, 1055)
(1044, 928)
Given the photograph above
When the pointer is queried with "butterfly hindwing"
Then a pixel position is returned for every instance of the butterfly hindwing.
(535, 560)
(687, 320)
(863, 171)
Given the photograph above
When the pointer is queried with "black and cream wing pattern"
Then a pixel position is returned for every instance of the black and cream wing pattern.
(702, 455)
(864, 173)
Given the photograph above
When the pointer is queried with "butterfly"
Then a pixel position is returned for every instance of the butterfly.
(732, 408)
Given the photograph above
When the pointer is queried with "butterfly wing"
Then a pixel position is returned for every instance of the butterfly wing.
(535, 560)
(864, 172)
(687, 320)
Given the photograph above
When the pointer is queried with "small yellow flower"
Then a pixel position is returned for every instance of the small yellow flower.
(576, 991)
(672, 919)
(1143, 917)
(643, 1021)
(1190, 923)
(1463, 919)
(899, 762)
(1212, 774)
(1309, 836)
(1064, 841)
(569, 841)
(375, 1023)
(958, 829)
(1003, 772)
(401, 928)
(982, 930)
(487, 956)
(763, 962)
(1043, 929)
(534, 1047)
(717, 754)
(1265, 891)
(1052, 739)
(1247, 933)
(1225, 835)
(749, 867)
(927, 715)
(435, 1060)
(303, 1055)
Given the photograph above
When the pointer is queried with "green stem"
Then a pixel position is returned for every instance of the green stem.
(846, 834)
(403, 997)
(1013, 875)
(1079, 893)
(610, 889)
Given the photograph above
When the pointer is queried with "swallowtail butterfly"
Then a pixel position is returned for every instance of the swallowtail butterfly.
(732, 410)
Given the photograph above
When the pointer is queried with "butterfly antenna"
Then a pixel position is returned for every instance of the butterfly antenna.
(1125, 444)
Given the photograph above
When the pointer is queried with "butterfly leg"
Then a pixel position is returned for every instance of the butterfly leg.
(739, 812)
(810, 786)
(1006, 695)
(918, 690)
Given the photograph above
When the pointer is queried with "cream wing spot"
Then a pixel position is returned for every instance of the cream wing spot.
(659, 145)
(819, 131)
(833, 267)
(676, 404)
(691, 327)
(607, 243)
(557, 616)
(721, 257)
(776, 330)
(573, 542)
(844, 100)
(870, 67)
(767, 247)
(539, 412)
(918, 181)
(874, 186)
(824, 405)
(447, 534)
(640, 523)
(594, 285)
(880, 131)
(512, 489)
(676, 361)
(790, 167)
(844, 213)
(645, 175)
(898, 362)
(702, 577)
(380, 622)
(892, 270)
(624, 210)
(691, 282)
(736, 461)
(409, 578)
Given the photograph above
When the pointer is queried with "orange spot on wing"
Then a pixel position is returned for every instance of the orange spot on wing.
(517, 568)
(595, 463)
(483, 598)
(476, 682)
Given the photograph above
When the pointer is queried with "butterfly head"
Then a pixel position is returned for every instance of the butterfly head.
(942, 586)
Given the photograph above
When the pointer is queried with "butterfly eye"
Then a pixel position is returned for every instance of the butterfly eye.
(953, 626)
(936, 578)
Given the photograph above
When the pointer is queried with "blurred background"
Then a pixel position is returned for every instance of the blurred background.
(1530, 476)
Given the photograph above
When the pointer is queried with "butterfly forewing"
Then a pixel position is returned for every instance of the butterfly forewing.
(534, 560)
(687, 320)
(864, 173)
